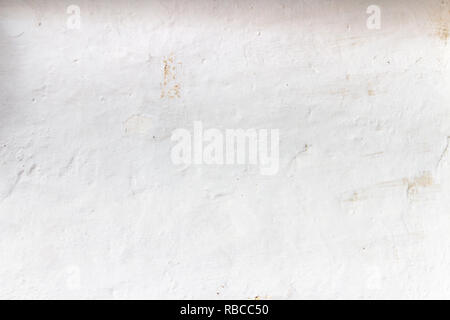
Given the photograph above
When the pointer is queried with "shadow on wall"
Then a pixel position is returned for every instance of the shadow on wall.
(6, 78)
(14, 26)
(7, 97)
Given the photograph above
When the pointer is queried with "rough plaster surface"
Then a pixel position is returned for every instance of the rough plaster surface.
(91, 205)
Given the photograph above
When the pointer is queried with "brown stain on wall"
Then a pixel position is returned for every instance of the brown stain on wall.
(441, 21)
(442, 31)
(416, 188)
(170, 87)
(355, 197)
(422, 181)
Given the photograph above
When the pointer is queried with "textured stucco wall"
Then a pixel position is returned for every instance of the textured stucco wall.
(91, 205)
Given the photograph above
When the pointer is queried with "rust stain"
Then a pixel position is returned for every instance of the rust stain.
(170, 87)
(354, 198)
(370, 90)
(442, 32)
(441, 21)
(414, 187)
(423, 181)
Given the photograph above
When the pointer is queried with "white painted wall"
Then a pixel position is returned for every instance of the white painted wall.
(91, 205)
